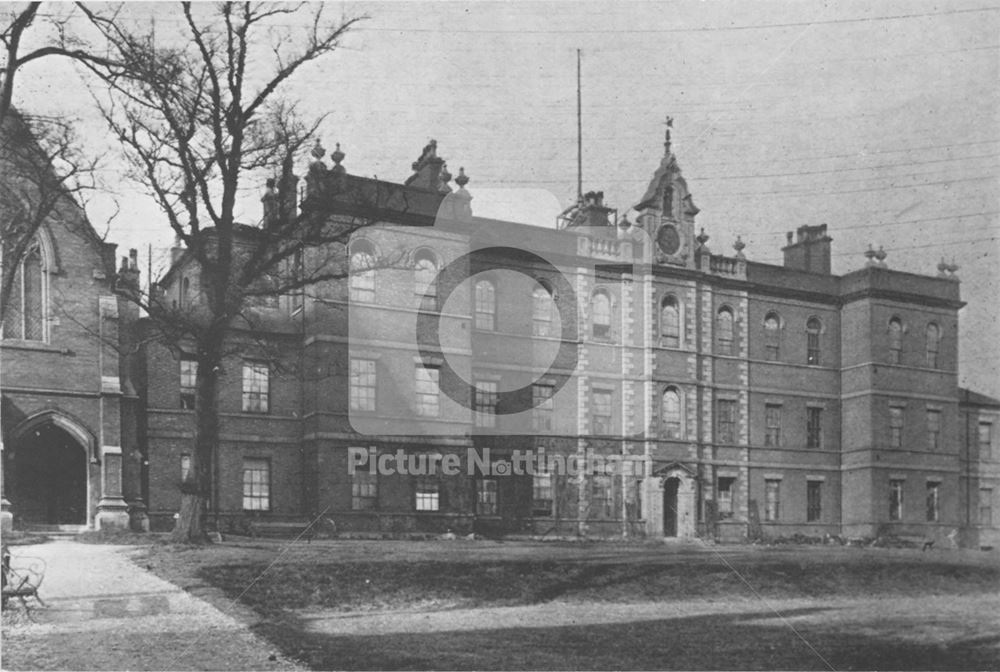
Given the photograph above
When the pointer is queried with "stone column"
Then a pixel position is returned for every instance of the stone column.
(112, 511)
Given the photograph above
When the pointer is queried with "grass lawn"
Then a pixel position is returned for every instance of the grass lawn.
(494, 605)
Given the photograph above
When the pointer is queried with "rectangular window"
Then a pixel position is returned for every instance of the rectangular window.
(726, 420)
(772, 423)
(725, 499)
(256, 484)
(427, 494)
(486, 403)
(364, 489)
(895, 427)
(933, 493)
(985, 441)
(542, 493)
(814, 427)
(601, 502)
(933, 429)
(255, 387)
(486, 497)
(986, 507)
(185, 467)
(814, 501)
(427, 392)
(189, 378)
(541, 407)
(363, 384)
(600, 411)
(896, 499)
(772, 499)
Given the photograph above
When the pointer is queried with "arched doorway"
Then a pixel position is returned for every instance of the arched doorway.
(670, 487)
(46, 477)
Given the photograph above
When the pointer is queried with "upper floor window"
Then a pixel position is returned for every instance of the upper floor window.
(486, 306)
(724, 331)
(895, 340)
(255, 387)
(25, 318)
(541, 406)
(670, 323)
(426, 386)
(814, 427)
(671, 428)
(362, 273)
(189, 379)
(541, 311)
(772, 337)
(933, 429)
(600, 411)
(425, 274)
(363, 384)
(985, 440)
(726, 421)
(600, 315)
(813, 329)
(933, 339)
(895, 427)
(486, 400)
(772, 425)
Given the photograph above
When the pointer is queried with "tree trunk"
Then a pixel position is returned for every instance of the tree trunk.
(196, 490)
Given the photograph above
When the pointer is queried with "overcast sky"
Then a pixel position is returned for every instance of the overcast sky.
(877, 118)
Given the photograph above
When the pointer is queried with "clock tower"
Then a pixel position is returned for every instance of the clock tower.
(666, 211)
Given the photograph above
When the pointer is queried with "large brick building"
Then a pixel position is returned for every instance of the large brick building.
(729, 398)
(747, 398)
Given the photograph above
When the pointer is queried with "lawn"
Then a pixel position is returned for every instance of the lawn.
(492, 605)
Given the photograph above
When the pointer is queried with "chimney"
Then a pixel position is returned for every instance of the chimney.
(427, 171)
(809, 250)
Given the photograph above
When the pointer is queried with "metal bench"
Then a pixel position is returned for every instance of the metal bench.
(22, 577)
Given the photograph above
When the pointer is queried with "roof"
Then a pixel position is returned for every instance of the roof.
(969, 398)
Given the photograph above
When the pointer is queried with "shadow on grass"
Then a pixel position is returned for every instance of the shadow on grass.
(713, 642)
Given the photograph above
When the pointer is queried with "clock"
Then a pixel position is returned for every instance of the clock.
(668, 240)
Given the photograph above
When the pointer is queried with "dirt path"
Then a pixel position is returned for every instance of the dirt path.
(104, 612)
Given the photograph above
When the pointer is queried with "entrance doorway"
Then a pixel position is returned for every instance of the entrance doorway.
(670, 487)
(47, 477)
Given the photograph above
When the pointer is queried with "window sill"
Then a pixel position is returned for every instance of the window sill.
(37, 346)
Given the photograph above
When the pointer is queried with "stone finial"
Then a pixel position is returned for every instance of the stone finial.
(870, 255)
(445, 178)
(739, 245)
(702, 238)
(338, 156)
(943, 267)
(318, 152)
(880, 256)
(953, 269)
(462, 178)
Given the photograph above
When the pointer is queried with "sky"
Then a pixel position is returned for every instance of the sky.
(879, 119)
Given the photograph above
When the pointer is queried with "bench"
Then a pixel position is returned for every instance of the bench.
(22, 577)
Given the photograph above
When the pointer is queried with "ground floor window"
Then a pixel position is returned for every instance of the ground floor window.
(486, 497)
(256, 484)
(986, 507)
(428, 494)
(772, 499)
(725, 498)
(601, 501)
(814, 501)
(364, 490)
(933, 496)
(541, 497)
(896, 499)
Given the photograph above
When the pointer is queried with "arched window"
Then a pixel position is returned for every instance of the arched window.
(600, 315)
(486, 306)
(933, 339)
(724, 331)
(25, 317)
(772, 337)
(541, 310)
(362, 273)
(813, 329)
(895, 340)
(670, 427)
(425, 274)
(670, 323)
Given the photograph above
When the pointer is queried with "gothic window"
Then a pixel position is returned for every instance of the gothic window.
(25, 317)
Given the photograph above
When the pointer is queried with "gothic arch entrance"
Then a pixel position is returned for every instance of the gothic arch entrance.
(46, 476)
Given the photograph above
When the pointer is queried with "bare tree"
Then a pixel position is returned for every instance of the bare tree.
(197, 115)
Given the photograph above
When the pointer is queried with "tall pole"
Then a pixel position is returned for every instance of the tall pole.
(579, 133)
